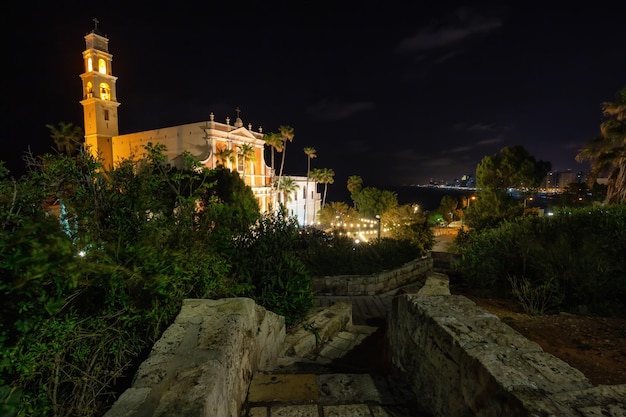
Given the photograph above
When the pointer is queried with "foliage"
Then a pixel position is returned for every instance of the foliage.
(85, 292)
(275, 142)
(491, 208)
(536, 298)
(288, 186)
(407, 223)
(579, 194)
(373, 201)
(246, 154)
(310, 153)
(342, 256)
(354, 185)
(323, 176)
(277, 278)
(577, 254)
(67, 137)
(513, 167)
(607, 152)
(449, 208)
(229, 207)
(286, 135)
(337, 212)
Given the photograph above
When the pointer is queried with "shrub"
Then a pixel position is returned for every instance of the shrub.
(73, 326)
(277, 278)
(581, 252)
(327, 255)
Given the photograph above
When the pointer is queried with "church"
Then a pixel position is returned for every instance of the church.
(233, 145)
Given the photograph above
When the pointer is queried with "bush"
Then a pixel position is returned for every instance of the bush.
(327, 255)
(277, 278)
(581, 252)
(72, 325)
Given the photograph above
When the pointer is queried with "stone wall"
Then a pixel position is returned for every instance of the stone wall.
(204, 362)
(463, 361)
(443, 262)
(376, 283)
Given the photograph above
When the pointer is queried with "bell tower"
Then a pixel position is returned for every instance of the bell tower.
(99, 97)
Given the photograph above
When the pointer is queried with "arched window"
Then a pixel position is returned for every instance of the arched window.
(105, 91)
(102, 66)
(89, 65)
(89, 90)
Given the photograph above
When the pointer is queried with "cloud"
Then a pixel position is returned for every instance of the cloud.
(460, 149)
(465, 23)
(489, 141)
(332, 111)
(481, 127)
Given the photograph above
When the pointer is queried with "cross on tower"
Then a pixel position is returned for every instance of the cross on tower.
(95, 23)
(238, 111)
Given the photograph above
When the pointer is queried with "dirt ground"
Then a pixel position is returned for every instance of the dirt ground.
(594, 345)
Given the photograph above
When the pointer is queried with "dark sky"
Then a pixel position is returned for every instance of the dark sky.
(395, 92)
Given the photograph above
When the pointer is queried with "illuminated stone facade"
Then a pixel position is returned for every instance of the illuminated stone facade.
(234, 146)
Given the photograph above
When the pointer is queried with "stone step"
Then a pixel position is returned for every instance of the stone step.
(349, 375)
(330, 395)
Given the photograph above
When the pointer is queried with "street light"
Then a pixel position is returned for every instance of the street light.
(469, 200)
(378, 218)
(526, 200)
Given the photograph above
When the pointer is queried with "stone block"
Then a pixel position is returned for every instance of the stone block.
(204, 362)
(462, 361)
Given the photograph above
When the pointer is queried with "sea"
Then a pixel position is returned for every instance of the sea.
(427, 197)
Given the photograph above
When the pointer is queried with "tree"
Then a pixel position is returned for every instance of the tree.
(607, 152)
(355, 183)
(288, 186)
(337, 211)
(67, 137)
(448, 207)
(407, 222)
(275, 142)
(323, 176)
(286, 134)
(373, 201)
(311, 154)
(513, 167)
(225, 155)
(229, 206)
(246, 153)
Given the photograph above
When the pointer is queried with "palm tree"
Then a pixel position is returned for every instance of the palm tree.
(288, 186)
(355, 183)
(67, 137)
(311, 154)
(246, 153)
(225, 155)
(607, 153)
(275, 142)
(324, 176)
(286, 133)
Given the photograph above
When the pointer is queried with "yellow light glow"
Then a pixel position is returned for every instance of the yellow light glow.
(102, 66)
